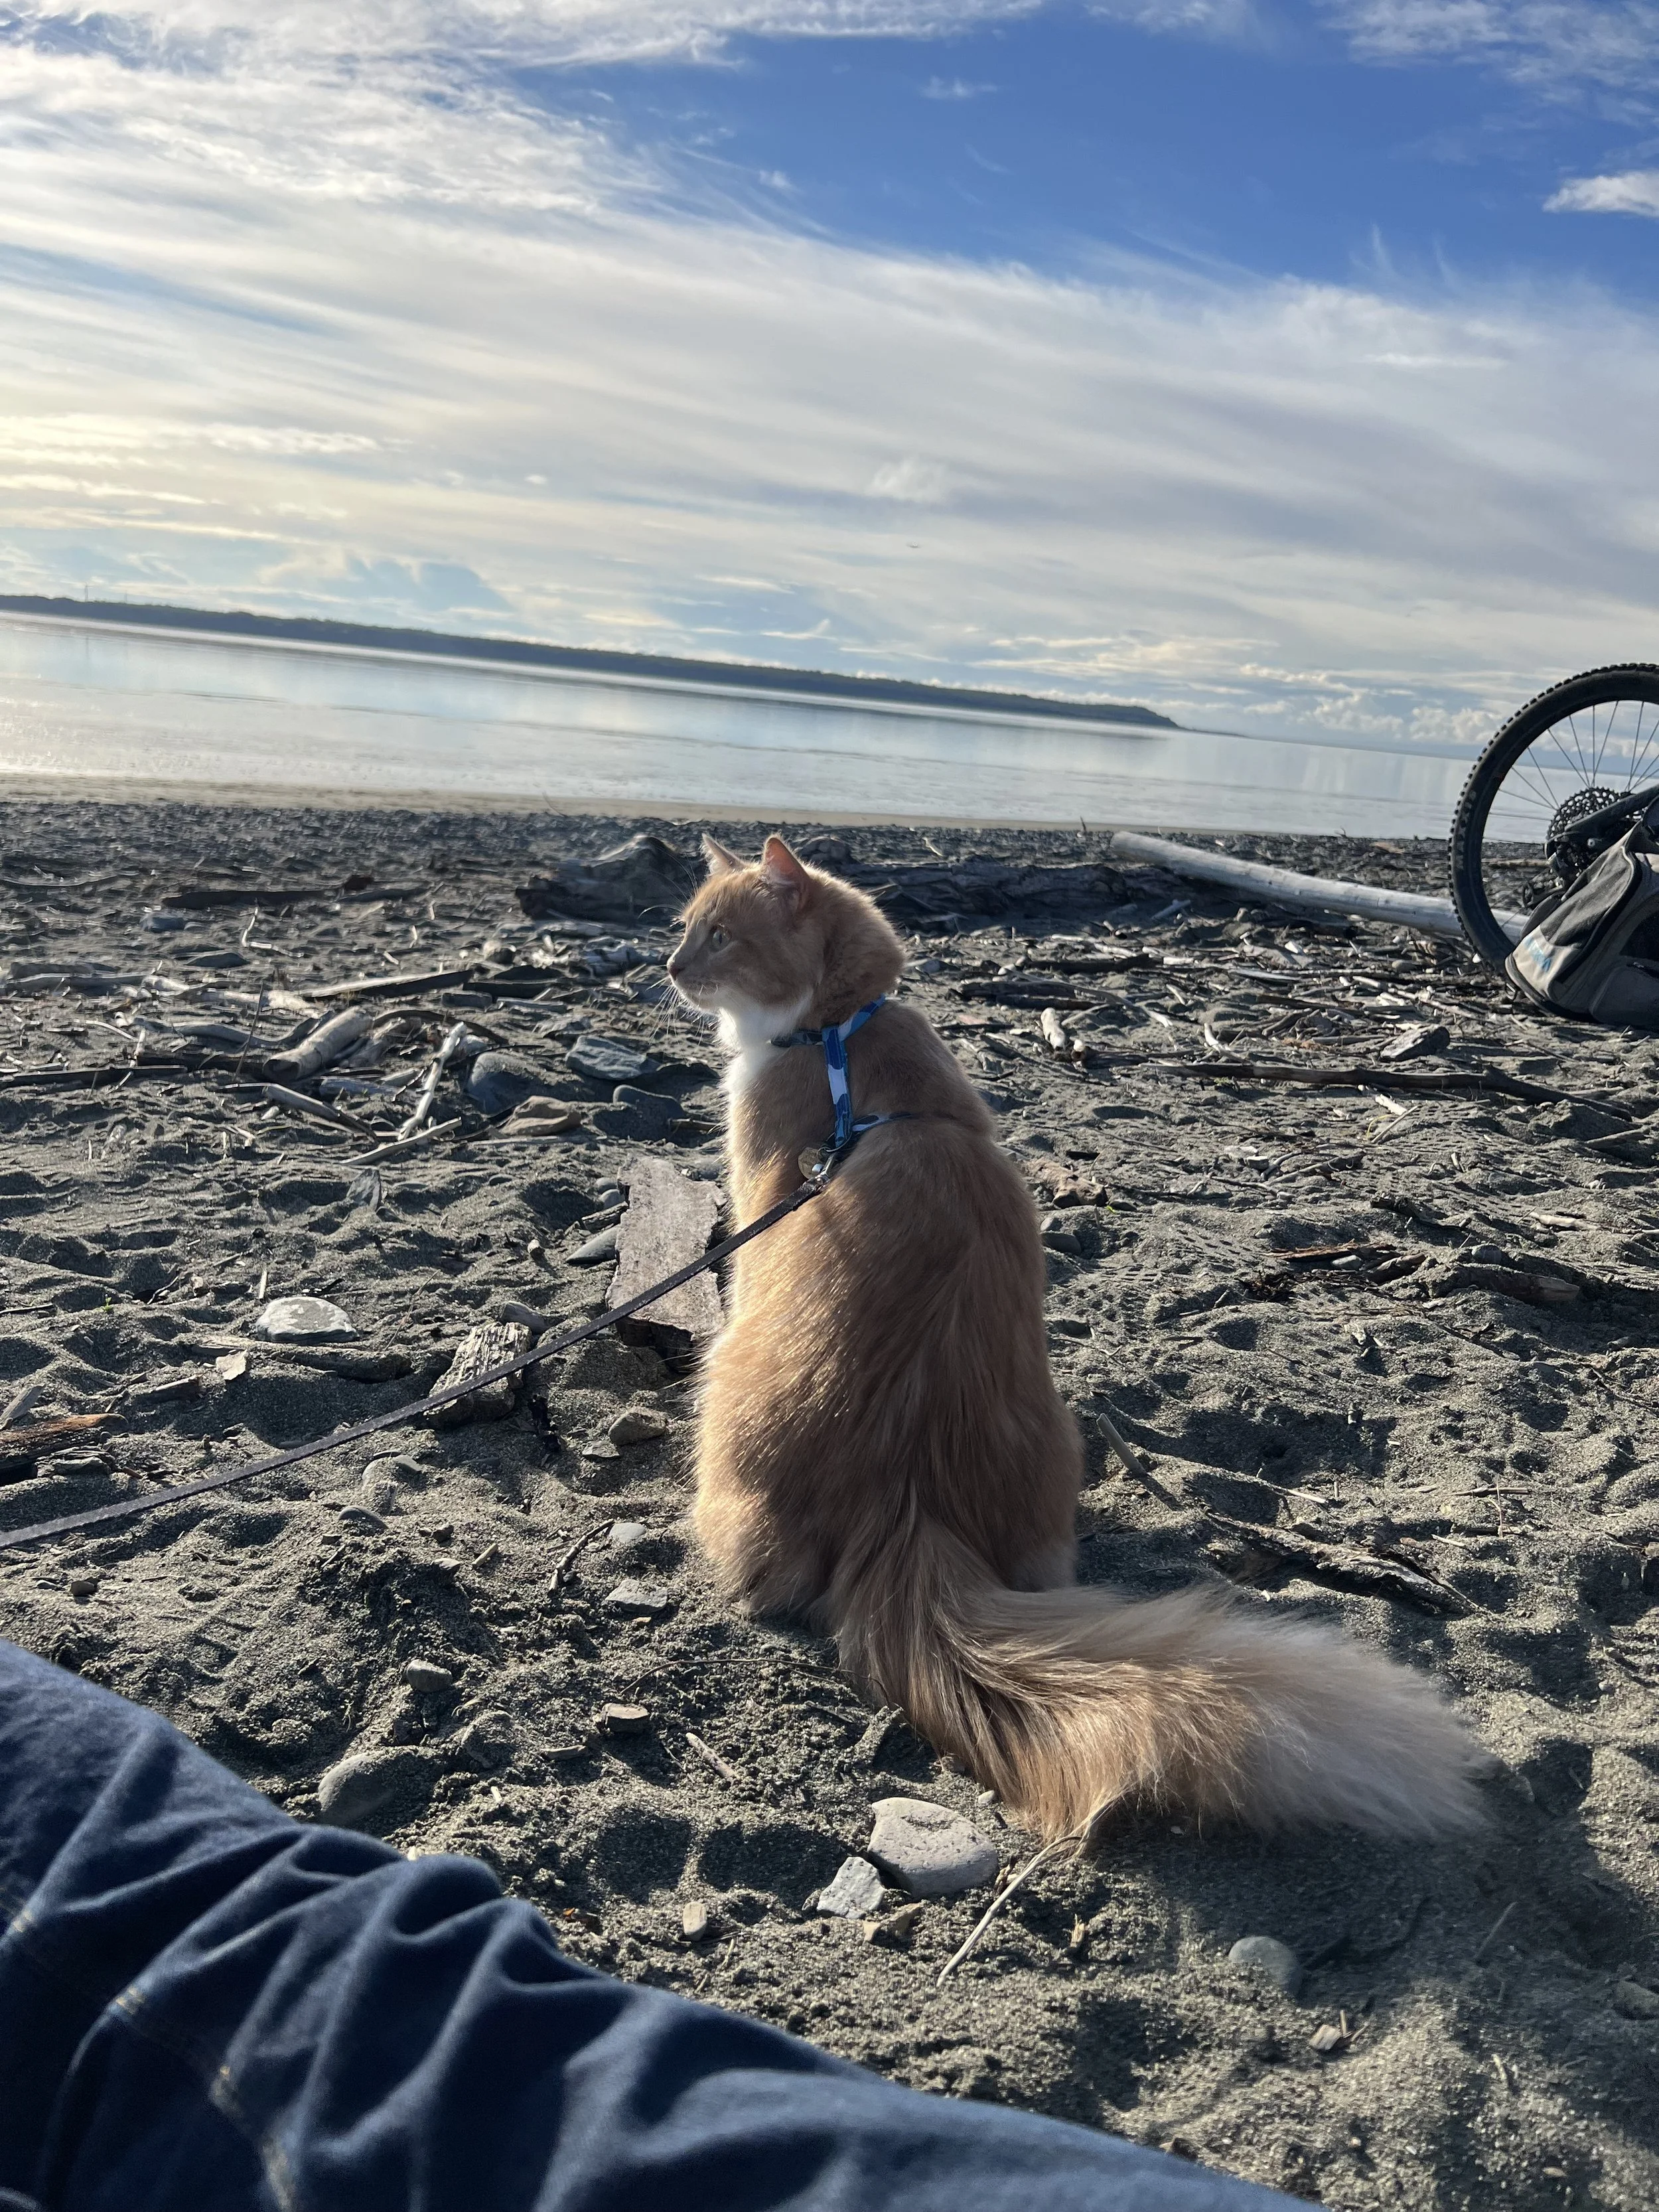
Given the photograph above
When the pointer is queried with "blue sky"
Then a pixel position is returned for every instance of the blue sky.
(1289, 364)
(1278, 149)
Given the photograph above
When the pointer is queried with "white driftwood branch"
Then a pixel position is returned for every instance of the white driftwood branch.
(1418, 910)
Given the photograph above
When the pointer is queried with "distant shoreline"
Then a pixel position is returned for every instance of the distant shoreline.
(582, 661)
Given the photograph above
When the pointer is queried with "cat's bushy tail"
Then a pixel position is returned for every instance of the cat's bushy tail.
(1069, 1702)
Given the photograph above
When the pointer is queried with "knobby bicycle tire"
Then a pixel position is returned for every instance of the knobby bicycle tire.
(1595, 687)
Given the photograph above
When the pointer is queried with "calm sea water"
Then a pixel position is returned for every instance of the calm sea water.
(100, 706)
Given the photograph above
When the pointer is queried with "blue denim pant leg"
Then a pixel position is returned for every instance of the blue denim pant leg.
(205, 2007)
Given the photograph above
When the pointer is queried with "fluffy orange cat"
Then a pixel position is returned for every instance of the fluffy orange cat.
(883, 1453)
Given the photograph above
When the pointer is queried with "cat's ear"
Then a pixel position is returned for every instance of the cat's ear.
(784, 871)
(719, 858)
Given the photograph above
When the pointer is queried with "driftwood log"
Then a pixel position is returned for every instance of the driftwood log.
(21, 1448)
(645, 879)
(649, 879)
(1418, 910)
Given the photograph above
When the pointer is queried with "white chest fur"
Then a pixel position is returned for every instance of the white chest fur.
(747, 1032)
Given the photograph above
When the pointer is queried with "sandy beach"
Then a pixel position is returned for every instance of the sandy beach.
(1389, 1353)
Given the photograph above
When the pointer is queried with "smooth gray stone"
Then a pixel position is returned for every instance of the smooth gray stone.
(1266, 1955)
(610, 1060)
(639, 1597)
(163, 920)
(931, 1850)
(624, 1533)
(425, 1675)
(496, 1082)
(636, 1117)
(303, 1321)
(602, 1247)
(375, 1790)
(855, 1891)
(364, 1519)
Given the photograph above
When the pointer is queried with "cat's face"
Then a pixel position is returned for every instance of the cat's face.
(751, 944)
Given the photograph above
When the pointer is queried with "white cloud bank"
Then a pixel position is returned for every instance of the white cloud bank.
(299, 334)
(1634, 192)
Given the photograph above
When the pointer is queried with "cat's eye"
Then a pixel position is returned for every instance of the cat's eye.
(717, 938)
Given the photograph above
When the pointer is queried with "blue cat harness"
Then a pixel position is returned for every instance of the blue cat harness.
(834, 1041)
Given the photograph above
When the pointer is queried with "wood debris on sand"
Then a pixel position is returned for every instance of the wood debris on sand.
(1394, 1366)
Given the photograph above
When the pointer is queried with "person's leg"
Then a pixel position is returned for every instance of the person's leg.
(207, 2008)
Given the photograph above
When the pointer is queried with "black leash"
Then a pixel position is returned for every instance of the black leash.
(818, 1180)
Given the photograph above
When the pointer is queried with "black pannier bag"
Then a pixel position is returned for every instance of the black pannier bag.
(1593, 949)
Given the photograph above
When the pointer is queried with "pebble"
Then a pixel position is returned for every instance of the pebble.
(639, 1598)
(83, 1586)
(637, 1426)
(364, 1519)
(931, 1850)
(609, 1059)
(855, 1890)
(1266, 1955)
(163, 920)
(303, 1321)
(600, 1448)
(498, 1082)
(602, 1247)
(526, 1316)
(1057, 1236)
(394, 1466)
(696, 1921)
(426, 1676)
(361, 1788)
(624, 1533)
(624, 1720)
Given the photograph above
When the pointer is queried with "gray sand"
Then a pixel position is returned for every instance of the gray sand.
(1493, 2025)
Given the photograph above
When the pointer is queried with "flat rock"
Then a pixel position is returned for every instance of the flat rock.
(499, 1082)
(668, 1224)
(1416, 1043)
(639, 1424)
(426, 1676)
(642, 1599)
(1266, 1955)
(929, 1850)
(374, 1790)
(303, 1321)
(610, 1060)
(855, 1890)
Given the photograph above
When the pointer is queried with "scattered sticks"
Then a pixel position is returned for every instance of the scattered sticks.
(429, 1090)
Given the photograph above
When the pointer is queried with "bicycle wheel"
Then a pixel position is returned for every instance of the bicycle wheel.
(1577, 747)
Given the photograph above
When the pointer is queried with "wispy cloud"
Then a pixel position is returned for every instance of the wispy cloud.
(1551, 44)
(287, 330)
(1634, 192)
